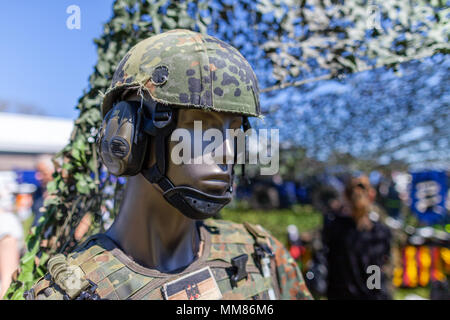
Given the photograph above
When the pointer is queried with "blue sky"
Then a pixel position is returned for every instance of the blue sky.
(43, 62)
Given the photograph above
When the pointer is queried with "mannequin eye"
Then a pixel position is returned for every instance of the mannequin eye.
(187, 123)
(360, 185)
(236, 124)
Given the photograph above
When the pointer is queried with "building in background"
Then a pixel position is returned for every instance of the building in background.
(23, 140)
(24, 137)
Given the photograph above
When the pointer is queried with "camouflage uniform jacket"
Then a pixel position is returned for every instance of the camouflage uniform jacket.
(103, 267)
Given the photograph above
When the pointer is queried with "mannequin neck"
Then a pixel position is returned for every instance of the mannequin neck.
(151, 231)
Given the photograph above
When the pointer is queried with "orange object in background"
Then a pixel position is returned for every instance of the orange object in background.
(24, 201)
(398, 277)
(410, 267)
(295, 252)
(424, 264)
(436, 265)
(445, 255)
(420, 265)
(306, 257)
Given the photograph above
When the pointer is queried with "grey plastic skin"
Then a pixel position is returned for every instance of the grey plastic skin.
(148, 228)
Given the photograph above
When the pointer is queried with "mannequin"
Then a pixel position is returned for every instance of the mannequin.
(163, 244)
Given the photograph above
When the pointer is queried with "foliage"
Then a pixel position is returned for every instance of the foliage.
(402, 293)
(286, 39)
(276, 221)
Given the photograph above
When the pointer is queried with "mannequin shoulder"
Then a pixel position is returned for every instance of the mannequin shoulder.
(217, 225)
(246, 232)
(69, 275)
(228, 231)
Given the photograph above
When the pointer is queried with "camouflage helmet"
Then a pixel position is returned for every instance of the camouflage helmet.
(189, 70)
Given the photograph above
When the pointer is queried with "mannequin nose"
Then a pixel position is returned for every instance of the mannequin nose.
(223, 167)
(228, 150)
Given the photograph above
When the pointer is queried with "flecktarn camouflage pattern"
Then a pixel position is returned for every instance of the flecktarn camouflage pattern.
(108, 273)
(190, 70)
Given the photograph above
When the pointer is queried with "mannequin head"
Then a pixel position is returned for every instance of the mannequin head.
(209, 178)
(360, 196)
(44, 169)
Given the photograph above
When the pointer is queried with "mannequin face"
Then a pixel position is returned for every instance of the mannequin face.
(210, 178)
(44, 172)
(360, 195)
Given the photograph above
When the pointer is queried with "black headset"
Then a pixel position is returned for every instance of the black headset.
(123, 146)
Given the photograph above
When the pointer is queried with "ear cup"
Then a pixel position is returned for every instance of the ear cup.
(121, 144)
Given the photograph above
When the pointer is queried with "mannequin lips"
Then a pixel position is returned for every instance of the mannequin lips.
(217, 177)
(215, 183)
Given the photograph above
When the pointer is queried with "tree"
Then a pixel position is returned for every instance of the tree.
(287, 42)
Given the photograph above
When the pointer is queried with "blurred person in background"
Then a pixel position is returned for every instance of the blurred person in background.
(389, 198)
(328, 200)
(11, 238)
(44, 174)
(354, 239)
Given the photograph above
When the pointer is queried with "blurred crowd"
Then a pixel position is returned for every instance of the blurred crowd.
(21, 208)
(20, 205)
(353, 240)
(361, 246)
(370, 242)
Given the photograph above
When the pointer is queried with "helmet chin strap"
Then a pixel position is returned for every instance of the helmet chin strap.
(191, 202)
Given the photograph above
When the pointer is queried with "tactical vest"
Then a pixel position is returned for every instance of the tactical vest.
(236, 263)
